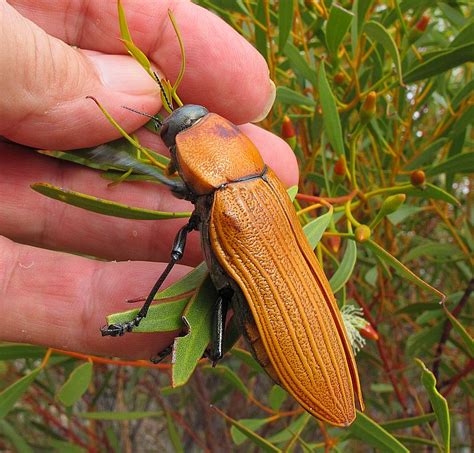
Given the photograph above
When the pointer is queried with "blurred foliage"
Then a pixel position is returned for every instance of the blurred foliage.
(375, 98)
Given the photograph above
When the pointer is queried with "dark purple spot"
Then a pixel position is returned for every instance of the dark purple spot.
(226, 131)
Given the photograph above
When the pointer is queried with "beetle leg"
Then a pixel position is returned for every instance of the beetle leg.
(218, 325)
(177, 252)
(162, 354)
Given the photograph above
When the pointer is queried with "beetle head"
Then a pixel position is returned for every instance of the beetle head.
(180, 119)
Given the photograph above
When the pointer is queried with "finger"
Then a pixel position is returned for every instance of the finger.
(223, 71)
(44, 83)
(44, 222)
(49, 223)
(275, 152)
(58, 300)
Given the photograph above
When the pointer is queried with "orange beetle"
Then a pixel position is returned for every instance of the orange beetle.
(260, 263)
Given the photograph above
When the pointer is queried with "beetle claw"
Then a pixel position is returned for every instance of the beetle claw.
(114, 330)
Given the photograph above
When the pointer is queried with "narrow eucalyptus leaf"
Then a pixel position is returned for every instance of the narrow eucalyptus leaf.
(102, 206)
(188, 350)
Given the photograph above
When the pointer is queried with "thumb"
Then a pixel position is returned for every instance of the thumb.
(44, 83)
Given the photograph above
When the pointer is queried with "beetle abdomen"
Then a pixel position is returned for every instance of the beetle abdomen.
(266, 254)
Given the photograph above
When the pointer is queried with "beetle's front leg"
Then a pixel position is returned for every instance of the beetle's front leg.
(218, 324)
(162, 354)
(177, 252)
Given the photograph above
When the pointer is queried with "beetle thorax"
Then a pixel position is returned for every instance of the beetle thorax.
(214, 152)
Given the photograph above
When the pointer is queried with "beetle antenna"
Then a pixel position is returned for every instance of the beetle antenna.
(168, 102)
(154, 118)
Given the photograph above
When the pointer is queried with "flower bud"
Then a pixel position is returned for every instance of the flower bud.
(340, 166)
(418, 30)
(339, 78)
(368, 108)
(417, 178)
(334, 243)
(422, 23)
(362, 233)
(369, 332)
(392, 203)
(389, 205)
(288, 131)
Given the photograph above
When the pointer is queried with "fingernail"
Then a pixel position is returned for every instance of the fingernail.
(268, 105)
(122, 73)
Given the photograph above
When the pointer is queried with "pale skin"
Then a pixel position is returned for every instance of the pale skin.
(48, 294)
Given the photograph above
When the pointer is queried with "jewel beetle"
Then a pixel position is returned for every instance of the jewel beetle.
(260, 262)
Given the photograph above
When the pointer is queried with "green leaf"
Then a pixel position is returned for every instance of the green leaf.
(428, 191)
(381, 388)
(413, 440)
(287, 433)
(61, 446)
(371, 276)
(134, 51)
(378, 33)
(292, 192)
(464, 36)
(132, 415)
(260, 34)
(452, 14)
(162, 317)
(189, 349)
(359, 10)
(344, 271)
(8, 432)
(418, 308)
(337, 25)
(20, 351)
(186, 284)
(227, 374)
(101, 206)
(250, 434)
(76, 384)
(461, 163)
(440, 63)
(408, 422)
(400, 268)
(428, 156)
(288, 96)
(370, 432)
(277, 397)
(299, 63)
(104, 157)
(253, 424)
(314, 230)
(438, 402)
(462, 94)
(458, 131)
(423, 340)
(432, 249)
(464, 334)
(248, 359)
(285, 22)
(10, 395)
(403, 213)
(124, 31)
(174, 435)
(332, 122)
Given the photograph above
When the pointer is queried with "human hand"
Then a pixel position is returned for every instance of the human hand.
(60, 299)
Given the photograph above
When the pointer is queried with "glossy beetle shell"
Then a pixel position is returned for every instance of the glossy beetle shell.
(253, 240)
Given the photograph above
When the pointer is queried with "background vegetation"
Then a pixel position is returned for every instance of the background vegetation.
(376, 99)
